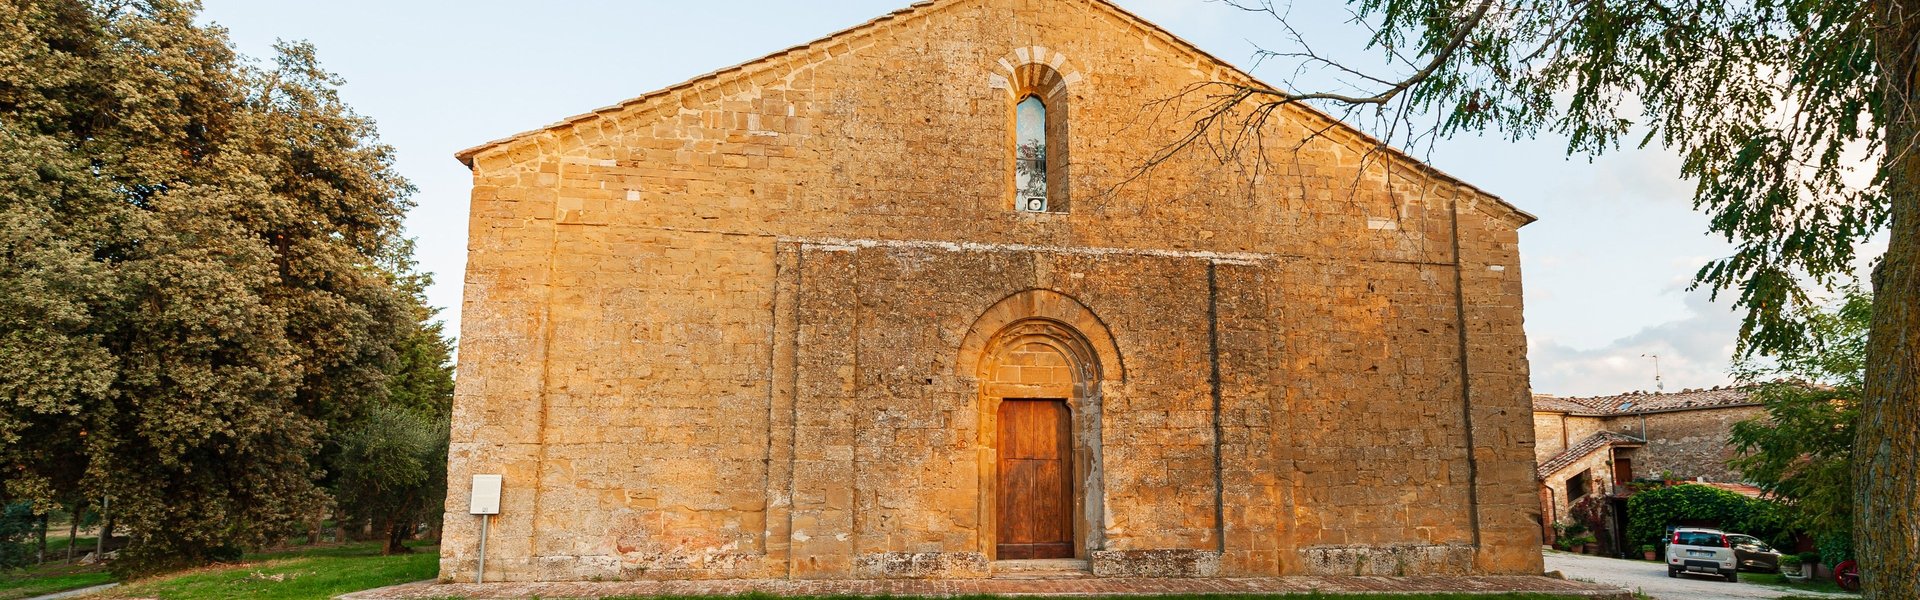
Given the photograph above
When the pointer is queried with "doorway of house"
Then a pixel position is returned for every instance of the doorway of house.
(1035, 486)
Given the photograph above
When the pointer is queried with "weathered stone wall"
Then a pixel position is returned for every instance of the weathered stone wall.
(1684, 444)
(1549, 435)
(1690, 444)
(1553, 432)
(1599, 469)
(723, 330)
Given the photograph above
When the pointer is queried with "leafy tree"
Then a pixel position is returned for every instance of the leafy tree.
(398, 477)
(197, 273)
(391, 464)
(1797, 119)
(1801, 450)
(420, 378)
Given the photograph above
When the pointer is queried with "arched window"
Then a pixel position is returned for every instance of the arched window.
(1030, 154)
(1038, 146)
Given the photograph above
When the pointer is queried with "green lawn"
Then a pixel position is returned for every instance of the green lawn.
(57, 545)
(47, 579)
(1780, 581)
(296, 574)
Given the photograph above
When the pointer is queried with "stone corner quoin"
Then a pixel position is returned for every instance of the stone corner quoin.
(794, 319)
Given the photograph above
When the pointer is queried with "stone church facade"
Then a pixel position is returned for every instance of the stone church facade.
(907, 302)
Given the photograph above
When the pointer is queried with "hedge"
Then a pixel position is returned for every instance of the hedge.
(1650, 512)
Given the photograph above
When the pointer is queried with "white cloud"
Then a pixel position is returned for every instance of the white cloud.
(1694, 352)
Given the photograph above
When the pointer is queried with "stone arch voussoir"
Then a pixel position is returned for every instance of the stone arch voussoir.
(1035, 70)
(1047, 317)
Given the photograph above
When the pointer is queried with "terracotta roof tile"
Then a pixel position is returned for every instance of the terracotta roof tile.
(1593, 443)
(1646, 402)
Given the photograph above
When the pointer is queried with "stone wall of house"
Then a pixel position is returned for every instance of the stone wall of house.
(1549, 435)
(735, 328)
(1599, 469)
(1685, 444)
(1689, 444)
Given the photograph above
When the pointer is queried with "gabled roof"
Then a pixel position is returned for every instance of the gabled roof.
(1634, 403)
(930, 6)
(1593, 443)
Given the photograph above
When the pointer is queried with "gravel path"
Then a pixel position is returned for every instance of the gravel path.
(1652, 579)
(76, 593)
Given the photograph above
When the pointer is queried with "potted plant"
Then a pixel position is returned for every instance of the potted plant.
(1586, 543)
(1647, 552)
(1569, 535)
(1809, 564)
(1792, 568)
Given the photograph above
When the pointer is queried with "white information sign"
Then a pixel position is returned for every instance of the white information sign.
(486, 495)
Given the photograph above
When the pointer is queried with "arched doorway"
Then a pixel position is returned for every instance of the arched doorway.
(1038, 359)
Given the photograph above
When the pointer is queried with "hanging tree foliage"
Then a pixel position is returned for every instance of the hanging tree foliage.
(197, 258)
(1797, 119)
(1801, 450)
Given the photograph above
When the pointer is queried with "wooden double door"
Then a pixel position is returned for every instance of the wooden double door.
(1034, 507)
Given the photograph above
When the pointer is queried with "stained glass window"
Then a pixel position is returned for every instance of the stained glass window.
(1030, 154)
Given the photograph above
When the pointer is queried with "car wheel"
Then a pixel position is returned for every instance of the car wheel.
(1671, 572)
(1733, 576)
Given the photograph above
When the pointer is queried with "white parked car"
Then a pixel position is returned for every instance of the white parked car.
(1704, 551)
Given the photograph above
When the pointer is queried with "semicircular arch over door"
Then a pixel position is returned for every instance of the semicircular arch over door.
(1038, 359)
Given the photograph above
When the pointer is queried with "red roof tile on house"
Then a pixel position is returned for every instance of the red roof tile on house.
(1645, 402)
(1593, 443)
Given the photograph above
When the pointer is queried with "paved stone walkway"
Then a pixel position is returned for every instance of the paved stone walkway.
(1002, 587)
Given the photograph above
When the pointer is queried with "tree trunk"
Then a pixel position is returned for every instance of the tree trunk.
(100, 545)
(434, 528)
(44, 518)
(1886, 519)
(73, 530)
(313, 527)
(396, 531)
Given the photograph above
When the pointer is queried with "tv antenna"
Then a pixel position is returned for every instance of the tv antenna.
(1657, 386)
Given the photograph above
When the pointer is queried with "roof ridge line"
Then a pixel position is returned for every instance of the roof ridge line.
(1152, 27)
(466, 155)
(926, 7)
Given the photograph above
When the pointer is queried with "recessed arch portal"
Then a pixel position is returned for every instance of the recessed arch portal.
(1038, 360)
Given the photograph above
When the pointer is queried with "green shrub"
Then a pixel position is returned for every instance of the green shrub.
(1650, 512)
(1835, 548)
(17, 523)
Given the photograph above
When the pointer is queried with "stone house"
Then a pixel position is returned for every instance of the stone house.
(907, 302)
(1595, 446)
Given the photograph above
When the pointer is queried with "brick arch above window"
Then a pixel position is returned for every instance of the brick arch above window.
(1035, 70)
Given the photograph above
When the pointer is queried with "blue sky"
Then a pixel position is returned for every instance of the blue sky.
(1606, 268)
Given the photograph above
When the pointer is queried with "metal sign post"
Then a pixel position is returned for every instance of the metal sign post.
(484, 501)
